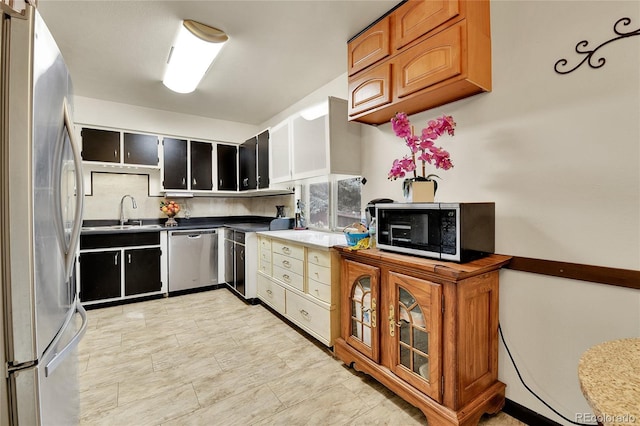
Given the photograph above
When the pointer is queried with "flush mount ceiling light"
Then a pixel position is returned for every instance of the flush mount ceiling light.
(193, 51)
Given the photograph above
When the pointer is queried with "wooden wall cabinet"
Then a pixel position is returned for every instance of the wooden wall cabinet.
(424, 54)
(426, 329)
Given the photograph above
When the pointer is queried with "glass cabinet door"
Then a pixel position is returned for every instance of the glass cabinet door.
(415, 327)
(360, 322)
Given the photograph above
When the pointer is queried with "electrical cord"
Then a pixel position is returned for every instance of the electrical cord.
(529, 389)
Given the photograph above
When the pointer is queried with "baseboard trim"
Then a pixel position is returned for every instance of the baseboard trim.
(526, 415)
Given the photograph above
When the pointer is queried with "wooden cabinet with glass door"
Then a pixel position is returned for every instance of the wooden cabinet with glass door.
(425, 329)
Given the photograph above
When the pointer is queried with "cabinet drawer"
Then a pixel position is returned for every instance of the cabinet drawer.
(319, 273)
(264, 243)
(271, 293)
(370, 89)
(288, 277)
(308, 315)
(431, 61)
(265, 255)
(265, 267)
(286, 249)
(319, 290)
(288, 263)
(416, 18)
(319, 257)
(370, 46)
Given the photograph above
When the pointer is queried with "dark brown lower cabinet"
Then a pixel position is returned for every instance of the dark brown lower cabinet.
(115, 266)
(426, 329)
(100, 275)
(142, 271)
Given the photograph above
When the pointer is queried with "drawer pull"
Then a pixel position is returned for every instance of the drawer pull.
(286, 250)
(316, 290)
(286, 277)
(316, 257)
(304, 313)
(286, 264)
(269, 292)
(317, 274)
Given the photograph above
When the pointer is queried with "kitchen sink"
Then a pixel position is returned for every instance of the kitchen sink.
(120, 227)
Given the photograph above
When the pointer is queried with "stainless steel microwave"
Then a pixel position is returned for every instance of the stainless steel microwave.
(458, 232)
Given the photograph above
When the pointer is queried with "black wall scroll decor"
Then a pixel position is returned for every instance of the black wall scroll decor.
(582, 48)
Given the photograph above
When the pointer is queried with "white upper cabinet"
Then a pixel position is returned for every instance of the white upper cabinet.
(280, 153)
(320, 141)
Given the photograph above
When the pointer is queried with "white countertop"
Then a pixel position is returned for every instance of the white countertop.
(308, 237)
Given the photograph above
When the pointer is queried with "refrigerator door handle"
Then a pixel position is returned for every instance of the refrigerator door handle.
(73, 343)
(77, 224)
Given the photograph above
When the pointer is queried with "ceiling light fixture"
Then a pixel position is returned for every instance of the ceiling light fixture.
(191, 55)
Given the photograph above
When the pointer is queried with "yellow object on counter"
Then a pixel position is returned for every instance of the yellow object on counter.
(362, 244)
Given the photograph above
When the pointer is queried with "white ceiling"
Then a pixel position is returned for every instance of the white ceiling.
(278, 52)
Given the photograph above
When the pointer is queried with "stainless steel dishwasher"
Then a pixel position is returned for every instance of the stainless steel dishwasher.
(193, 259)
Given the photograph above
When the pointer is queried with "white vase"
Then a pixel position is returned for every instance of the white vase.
(419, 191)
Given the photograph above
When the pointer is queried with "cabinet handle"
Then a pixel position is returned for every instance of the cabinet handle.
(258, 180)
(195, 182)
(115, 259)
(373, 313)
(270, 292)
(129, 257)
(286, 278)
(304, 313)
(220, 184)
(317, 274)
(128, 154)
(286, 264)
(316, 258)
(286, 250)
(392, 321)
(115, 153)
(183, 180)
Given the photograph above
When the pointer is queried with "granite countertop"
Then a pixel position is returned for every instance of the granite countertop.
(308, 237)
(609, 376)
(241, 223)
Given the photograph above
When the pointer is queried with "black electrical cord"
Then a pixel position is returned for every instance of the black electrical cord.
(529, 389)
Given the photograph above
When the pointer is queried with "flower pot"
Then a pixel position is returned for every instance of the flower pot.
(418, 191)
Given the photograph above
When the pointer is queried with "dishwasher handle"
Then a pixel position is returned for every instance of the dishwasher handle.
(192, 233)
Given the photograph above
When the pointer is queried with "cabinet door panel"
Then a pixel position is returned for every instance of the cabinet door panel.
(370, 90)
(247, 159)
(263, 160)
(415, 328)
(175, 163)
(370, 46)
(309, 146)
(142, 271)
(140, 149)
(279, 156)
(227, 167)
(429, 62)
(100, 275)
(201, 166)
(416, 18)
(360, 299)
(100, 145)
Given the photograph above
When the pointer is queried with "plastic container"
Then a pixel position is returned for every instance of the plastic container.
(353, 238)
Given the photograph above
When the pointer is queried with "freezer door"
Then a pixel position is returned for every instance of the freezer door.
(47, 393)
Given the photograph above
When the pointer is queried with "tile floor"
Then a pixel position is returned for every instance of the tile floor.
(210, 359)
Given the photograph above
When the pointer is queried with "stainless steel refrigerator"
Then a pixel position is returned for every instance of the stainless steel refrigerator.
(41, 213)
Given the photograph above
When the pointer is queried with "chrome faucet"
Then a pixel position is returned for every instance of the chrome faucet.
(133, 204)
